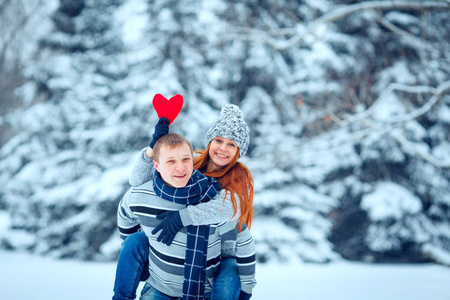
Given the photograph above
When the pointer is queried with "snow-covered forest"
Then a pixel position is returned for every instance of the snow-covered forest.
(348, 103)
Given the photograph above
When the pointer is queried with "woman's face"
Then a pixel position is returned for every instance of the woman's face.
(221, 152)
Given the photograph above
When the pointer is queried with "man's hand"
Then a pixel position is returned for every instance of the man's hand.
(170, 225)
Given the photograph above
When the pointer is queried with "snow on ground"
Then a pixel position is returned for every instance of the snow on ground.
(23, 277)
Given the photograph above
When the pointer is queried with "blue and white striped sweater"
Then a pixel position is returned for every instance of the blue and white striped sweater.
(138, 210)
(219, 209)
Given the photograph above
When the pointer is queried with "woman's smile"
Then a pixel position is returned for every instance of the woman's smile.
(222, 155)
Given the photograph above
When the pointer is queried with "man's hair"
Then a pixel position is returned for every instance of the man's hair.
(171, 140)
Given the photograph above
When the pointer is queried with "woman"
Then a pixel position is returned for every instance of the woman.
(227, 139)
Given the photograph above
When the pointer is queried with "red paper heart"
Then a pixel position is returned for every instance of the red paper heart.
(168, 108)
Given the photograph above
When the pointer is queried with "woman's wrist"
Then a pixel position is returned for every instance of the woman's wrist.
(185, 217)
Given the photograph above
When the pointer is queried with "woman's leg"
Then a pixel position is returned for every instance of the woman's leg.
(227, 284)
(132, 266)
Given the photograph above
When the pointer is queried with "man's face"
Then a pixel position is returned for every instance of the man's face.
(175, 165)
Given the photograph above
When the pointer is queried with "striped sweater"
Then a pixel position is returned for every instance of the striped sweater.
(138, 210)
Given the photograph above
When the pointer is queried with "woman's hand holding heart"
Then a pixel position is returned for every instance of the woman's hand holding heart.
(167, 111)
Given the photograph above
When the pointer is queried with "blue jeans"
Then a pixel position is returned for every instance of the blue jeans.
(150, 293)
(132, 268)
(227, 285)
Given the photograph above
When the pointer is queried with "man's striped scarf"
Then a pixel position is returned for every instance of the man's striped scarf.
(199, 189)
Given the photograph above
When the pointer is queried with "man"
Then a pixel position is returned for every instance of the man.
(185, 268)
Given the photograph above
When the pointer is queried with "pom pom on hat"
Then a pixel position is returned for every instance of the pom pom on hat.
(231, 110)
(231, 125)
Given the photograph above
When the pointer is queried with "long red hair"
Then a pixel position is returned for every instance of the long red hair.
(236, 179)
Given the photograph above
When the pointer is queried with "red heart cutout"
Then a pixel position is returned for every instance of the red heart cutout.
(168, 108)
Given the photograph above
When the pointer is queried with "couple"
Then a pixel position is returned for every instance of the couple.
(204, 249)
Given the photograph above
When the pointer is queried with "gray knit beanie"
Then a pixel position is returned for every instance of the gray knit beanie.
(231, 125)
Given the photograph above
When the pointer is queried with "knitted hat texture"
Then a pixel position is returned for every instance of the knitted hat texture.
(231, 125)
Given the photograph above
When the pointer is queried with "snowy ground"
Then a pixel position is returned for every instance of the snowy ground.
(24, 277)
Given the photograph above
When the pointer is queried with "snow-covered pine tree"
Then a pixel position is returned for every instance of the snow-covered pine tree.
(64, 172)
(332, 71)
(411, 191)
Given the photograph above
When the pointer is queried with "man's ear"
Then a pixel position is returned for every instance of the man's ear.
(156, 165)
